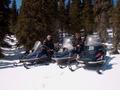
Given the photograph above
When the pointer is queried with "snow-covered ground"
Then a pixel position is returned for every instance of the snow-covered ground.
(51, 77)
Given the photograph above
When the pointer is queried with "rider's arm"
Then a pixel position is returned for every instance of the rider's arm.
(45, 44)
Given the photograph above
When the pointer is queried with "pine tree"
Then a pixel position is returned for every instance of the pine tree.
(30, 23)
(55, 22)
(13, 16)
(75, 16)
(115, 21)
(68, 5)
(4, 19)
(88, 17)
(101, 10)
(36, 19)
(61, 15)
(50, 14)
(67, 16)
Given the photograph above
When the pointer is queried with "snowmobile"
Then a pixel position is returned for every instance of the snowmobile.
(36, 56)
(94, 52)
(64, 56)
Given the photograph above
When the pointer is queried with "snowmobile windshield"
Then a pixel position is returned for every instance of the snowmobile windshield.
(93, 40)
(67, 43)
(37, 46)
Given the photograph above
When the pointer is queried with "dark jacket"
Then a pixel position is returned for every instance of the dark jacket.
(77, 41)
(48, 44)
(80, 43)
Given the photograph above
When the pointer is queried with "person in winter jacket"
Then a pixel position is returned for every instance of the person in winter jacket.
(48, 45)
(48, 42)
(78, 43)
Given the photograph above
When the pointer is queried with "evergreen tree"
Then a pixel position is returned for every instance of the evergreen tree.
(68, 5)
(88, 17)
(30, 24)
(13, 16)
(101, 10)
(61, 15)
(67, 15)
(75, 16)
(4, 19)
(50, 13)
(115, 21)
(36, 19)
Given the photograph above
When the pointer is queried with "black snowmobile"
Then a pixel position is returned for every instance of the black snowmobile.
(36, 56)
(64, 57)
(94, 52)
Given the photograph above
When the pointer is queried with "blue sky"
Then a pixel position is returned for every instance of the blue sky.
(19, 2)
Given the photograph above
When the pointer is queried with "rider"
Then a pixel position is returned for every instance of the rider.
(48, 45)
(78, 43)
